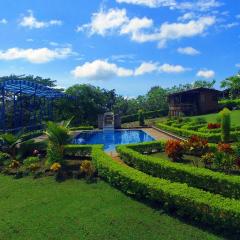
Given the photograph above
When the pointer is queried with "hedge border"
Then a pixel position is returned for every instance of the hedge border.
(185, 201)
(215, 182)
(211, 137)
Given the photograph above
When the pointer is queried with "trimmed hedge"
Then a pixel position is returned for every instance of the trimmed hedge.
(230, 103)
(211, 137)
(195, 204)
(30, 135)
(79, 128)
(78, 150)
(215, 182)
(147, 115)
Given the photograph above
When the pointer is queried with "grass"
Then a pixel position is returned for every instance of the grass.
(45, 209)
(235, 116)
(211, 118)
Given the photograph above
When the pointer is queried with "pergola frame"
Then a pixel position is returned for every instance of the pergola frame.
(40, 98)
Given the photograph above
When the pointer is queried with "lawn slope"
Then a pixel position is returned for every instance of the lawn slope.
(45, 209)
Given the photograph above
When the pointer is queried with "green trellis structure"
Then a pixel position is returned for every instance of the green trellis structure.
(25, 104)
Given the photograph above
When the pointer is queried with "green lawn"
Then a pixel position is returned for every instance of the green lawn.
(235, 117)
(45, 209)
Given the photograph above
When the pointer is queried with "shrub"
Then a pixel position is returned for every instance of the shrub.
(30, 160)
(185, 201)
(147, 115)
(226, 125)
(208, 159)
(3, 157)
(78, 150)
(87, 169)
(55, 167)
(196, 146)
(54, 154)
(14, 164)
(206, 179)
(213, 125)
(141, 118)
(79, 128)
(174, 149)
(225, 148)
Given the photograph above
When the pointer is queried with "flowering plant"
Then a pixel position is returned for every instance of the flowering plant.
(196, 145)
(14, 164)
(55, 167)
(225, 148)
(174, 149)
(213, 125)
(87, 168)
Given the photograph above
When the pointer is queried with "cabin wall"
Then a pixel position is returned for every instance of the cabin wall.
(208, 102)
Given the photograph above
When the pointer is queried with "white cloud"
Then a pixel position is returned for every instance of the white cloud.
(104, 21)
(104, 70)
(146, 67)
(31, 22)
(100, 70)
(167, 68)
(38, 55)
(188, 51)
(187, 16)
(197, 5)
(206, 73)
(171, 31)
(150, 3)
(230, 25)
(142, 29)
(237, 65)
(3, 21)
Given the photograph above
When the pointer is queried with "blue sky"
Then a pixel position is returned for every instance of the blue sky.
(128, 45)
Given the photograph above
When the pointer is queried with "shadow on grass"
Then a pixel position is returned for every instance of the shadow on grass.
(222, 233)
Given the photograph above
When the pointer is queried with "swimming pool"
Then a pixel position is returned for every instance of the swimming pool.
(112, 138)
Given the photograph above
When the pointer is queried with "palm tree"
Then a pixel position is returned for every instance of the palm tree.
(11, 141)
(58, 136)
(233, 84)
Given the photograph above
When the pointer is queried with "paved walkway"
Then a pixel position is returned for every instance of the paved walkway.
(157, 134)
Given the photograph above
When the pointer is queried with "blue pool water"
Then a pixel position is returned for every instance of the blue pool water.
(112, 138)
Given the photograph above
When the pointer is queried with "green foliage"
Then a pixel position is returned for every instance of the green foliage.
(147, 115)
(77, 150)
(79, 128)
(233, 84)
(215, 182)
(226, 125)
(141, 118)
(3, 158)
(230, 103)
(58, 136)
(193, 203)
(30, 160)
(11, 141)
(33, 134)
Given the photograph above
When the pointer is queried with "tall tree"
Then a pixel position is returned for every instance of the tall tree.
(232, 84)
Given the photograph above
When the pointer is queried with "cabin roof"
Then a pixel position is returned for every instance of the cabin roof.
(195, 90)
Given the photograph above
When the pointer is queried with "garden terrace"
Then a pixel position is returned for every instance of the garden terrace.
(216, 182)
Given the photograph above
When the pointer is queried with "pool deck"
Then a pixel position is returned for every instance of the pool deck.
(157, 135)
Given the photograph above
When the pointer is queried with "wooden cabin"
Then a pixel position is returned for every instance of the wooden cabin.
(194, 102)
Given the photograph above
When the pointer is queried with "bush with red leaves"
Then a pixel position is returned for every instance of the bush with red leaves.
(213, 125)
(174, 149)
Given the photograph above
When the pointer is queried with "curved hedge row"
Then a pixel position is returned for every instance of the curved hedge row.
(215, 182)
(230, 103)
(193, 203)
(147, 115)
(211, 137)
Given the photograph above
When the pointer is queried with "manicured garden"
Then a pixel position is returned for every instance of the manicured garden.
(204, 192)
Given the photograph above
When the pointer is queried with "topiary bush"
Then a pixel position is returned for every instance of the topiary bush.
(141, 118)
(226, 125)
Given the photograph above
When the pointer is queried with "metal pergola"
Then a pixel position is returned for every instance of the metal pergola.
(24, 104)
